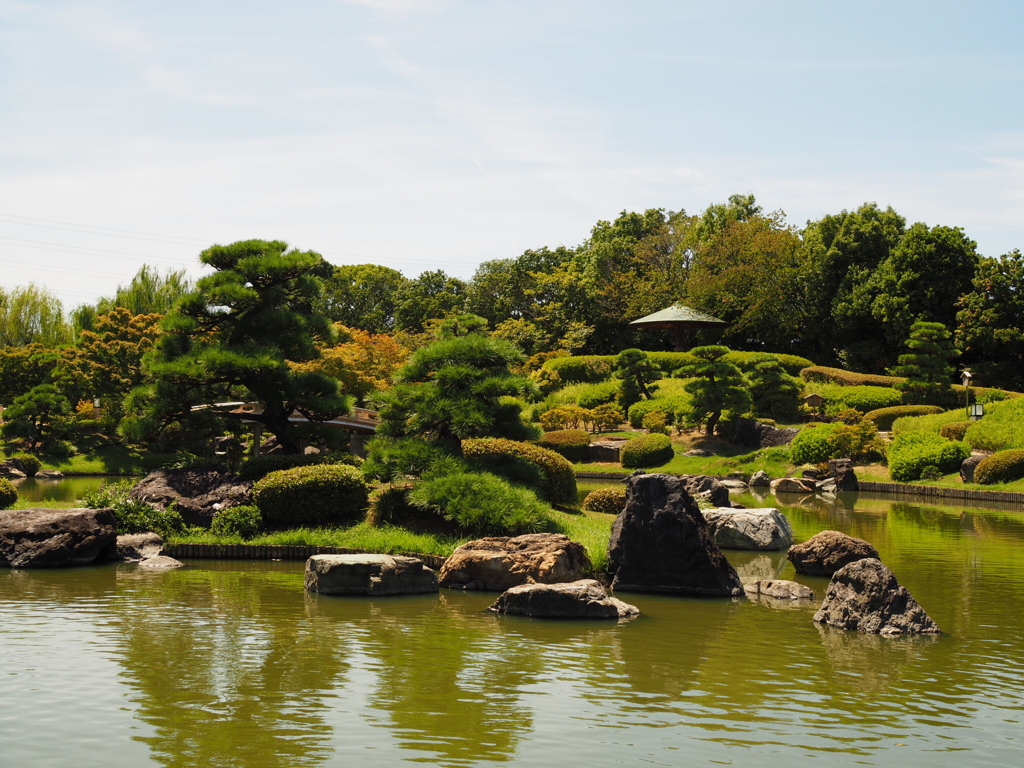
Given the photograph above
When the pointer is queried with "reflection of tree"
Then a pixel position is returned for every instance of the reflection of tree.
(227, 670)
(450, 682)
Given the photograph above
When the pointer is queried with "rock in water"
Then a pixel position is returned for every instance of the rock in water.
(792, 485)
(160, 561)
(865, 596)
(707, 487)
(136, 546)
(47, 538)
(779, 590)
(197, 494)
(501, 562)
(757, 529)
(368, 575)
(760, 479)
(845, 477)
(825, 553)
(584, 599)
(661, 543)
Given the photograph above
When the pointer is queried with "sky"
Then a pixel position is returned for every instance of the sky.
(438, 134)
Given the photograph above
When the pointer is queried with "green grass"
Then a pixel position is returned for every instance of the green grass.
(745, 463)
(107, 460)
(591, 529)
(44, 504)
(878, 473)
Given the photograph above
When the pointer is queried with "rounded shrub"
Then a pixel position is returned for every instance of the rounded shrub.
(646, 451)
(481, 504)
(60, 449)
(670, 406)
(813, 444)
(884, 417)
(261, 466)
(868, 398)
(912, 453)
(573, 444)
(243, 521)
(610, 500)
(587, 369)
(1001, 467)
(29, 464)
(314, 495)
(497, 455)
(954, 430)
(8, 493)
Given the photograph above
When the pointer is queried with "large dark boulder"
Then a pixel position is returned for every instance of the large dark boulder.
(968, 466)
(661, 543)
(197, 494)
(865, 596)
(584, 599)
(841, 470)
(825, 553)
(49, 538)
(759, 435)
(371, 574)
(500, 562)
(12, 469)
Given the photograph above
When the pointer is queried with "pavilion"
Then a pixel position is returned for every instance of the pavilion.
(681, 320)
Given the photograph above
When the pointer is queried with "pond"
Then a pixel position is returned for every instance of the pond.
(232, 664)
(68, 489)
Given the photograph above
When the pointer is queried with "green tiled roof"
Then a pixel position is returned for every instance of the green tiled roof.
(677, 313)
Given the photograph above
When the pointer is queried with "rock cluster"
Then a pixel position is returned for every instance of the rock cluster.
(757, 529)
(825, 553)
(865, 596)
(198, 494)
(48, 538)
(661, 543)
(374, 575)
(708, 488)
(12, 469)
(500, 562)
(583, 599)
(756, 434)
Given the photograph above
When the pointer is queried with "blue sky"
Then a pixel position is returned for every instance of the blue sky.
(426, 134)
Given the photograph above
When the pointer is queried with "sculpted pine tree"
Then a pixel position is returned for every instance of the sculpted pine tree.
(233, 338)
(927, 366)
(717, 386)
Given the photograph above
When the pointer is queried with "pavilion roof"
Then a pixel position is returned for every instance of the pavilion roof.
(679, 315)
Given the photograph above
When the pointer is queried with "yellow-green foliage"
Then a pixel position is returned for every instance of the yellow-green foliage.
(595, 368)
(8, 493)
(318, 494)
(913, 453)
(610, 500)
(646, 451)
(821, 373)
(928, 423)
(1001, 467)
(559, 479)
(954, 430)
(862, 397)
(884, 417)
(1001, 427)
(573, 444)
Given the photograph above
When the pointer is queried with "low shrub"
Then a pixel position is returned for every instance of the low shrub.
(243, 521)
(319, 494)
(646, 451)
(565, 417)
(8, 493)
(573, 444)
(820, 373)
(929, 423)
(481, 503)
(862, 397)
(655, 422)
(884, 417)
(587, 369)
(670, 406)
(813, 444)
(557, 478)
(60, 449)
(610, 500)
(594, 368)
(133, 515)
(1000, 467)
(954, 430)
(405, 458)
(391, 506)
(912, 453)
(30, 464)
(261, 466)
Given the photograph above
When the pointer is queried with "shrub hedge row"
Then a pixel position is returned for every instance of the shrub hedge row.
(573, 444)
(8, 493)
(1000, 467)
(261, 466)
(847, 378)
(558, 481)
(596, 368)
(610, 500)
(912, 454)
(646, 451)
(954, 430)
(884, 417)
(863, 397)
(315, 495)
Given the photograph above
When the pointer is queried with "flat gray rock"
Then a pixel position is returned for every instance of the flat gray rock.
(583, 599)
(760, 479)
(865, 596)
(753, 529)
(160, 561)
(374, 575)
(49, 538)
(792, 485)
(779, 590)
(137, 546)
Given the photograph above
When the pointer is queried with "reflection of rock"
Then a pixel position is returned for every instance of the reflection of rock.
(368, 575)
(501, 562)
(781, 590)
(872, 663)
(760, 479)
(584, 599)
(160, 562)
(759, 567)
(792, 485)
(198, 494)
(47, 538)
(661, 542)
(825, 553)
(866, 597)
(749, 528)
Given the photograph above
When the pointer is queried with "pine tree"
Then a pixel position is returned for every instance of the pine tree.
(927, 366)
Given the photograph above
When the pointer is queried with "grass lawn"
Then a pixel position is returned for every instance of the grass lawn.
(879, 473)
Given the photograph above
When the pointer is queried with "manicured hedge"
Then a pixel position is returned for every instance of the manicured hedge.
(584, 395)
(610, 500)
(911, 453)
(931, 423)
(243, 521)
(1001, 467)
(954, 430)
(313, 495)
(261, 466)
(558, 480)
(8, 493)
(1000, 428)
(670, 406)
(481, 504)
(587, 369)
(847, 378)
(646, 451)
(884, 417)
(862, 397)
(813, 444)
(573, 444)
(595, 368)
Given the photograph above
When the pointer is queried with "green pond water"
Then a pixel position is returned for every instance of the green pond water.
(232, 664)
(68, 489)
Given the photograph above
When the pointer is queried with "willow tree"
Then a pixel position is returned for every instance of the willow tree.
(233, 338)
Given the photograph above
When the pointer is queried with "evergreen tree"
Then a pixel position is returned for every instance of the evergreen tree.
(636, 370)
(927, 366)
(775, 394)
(717, 386)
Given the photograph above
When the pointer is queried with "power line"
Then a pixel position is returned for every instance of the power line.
(91, 229)
(61, 248)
